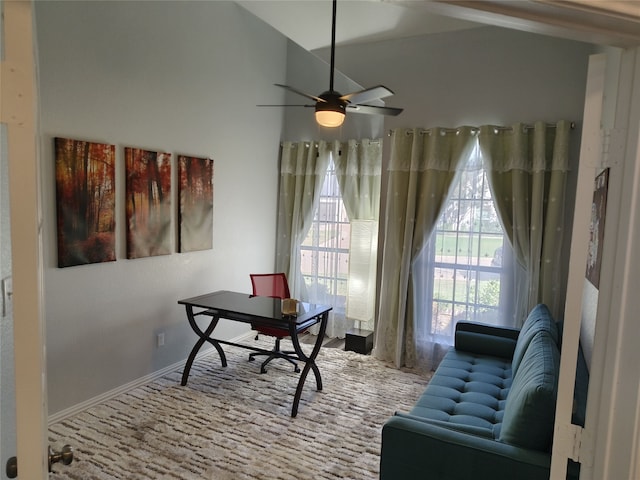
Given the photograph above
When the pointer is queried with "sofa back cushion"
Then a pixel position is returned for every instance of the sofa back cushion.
(539, 319)
(529, 411)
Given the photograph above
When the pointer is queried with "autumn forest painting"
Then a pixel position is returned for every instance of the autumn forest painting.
(85, 200)
(195, 181)
(148, 194)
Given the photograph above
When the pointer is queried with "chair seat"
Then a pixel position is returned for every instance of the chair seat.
(272, 331)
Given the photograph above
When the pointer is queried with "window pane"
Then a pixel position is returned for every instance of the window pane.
(465, 257)
(325, 250)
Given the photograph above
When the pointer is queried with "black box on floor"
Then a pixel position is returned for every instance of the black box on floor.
(360, 341)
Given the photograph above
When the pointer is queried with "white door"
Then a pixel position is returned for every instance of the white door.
(23, 409)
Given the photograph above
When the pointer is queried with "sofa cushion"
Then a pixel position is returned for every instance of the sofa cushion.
(539, 319)
(467, 389)
(530, 407)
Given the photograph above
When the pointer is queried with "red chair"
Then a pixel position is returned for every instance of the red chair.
(272, 285)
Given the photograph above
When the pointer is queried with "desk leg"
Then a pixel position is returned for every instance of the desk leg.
(204, 337)
(310, 361)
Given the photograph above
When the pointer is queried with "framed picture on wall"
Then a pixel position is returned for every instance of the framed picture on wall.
(596, 228)
(195, 183)
(148, 204)
(85, 202)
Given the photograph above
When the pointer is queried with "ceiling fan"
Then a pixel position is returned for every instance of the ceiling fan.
(331, 106)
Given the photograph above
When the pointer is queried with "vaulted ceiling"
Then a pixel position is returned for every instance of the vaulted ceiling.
(307, 22)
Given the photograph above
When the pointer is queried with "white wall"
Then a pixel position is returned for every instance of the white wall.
(182, 77)
(486, 75)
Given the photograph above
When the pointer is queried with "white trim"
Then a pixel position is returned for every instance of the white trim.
(103, 397)
(565, 435)
(19, 110)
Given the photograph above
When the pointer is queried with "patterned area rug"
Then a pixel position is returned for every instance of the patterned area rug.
(234, 423)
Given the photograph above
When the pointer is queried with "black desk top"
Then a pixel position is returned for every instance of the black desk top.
(247, 308)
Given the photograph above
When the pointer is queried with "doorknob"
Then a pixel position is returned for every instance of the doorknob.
(12, 467)
(65, 456)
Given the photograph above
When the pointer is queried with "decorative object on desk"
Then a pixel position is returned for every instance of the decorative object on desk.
(289, 306)
(596, 229)
(195, 182)
(85, 201)
(214, 428)
(148, 205)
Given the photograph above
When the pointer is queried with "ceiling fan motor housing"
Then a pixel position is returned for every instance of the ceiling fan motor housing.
(332, 102)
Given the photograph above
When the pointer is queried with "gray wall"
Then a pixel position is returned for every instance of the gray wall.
(182, 77)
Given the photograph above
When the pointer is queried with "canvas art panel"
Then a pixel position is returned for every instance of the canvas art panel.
(596, 228)
(85, 201)
(148, 204)
(195, 181)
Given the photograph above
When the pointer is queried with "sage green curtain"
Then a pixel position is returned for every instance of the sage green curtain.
(527, 169)
(422, 167)
(358, 170)
(303, 166)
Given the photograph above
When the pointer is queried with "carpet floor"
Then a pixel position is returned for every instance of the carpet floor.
(234, 423)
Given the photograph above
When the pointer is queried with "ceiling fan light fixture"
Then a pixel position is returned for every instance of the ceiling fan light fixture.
(329, 118)
(330, 112)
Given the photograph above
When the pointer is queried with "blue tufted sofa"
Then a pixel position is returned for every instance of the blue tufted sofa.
(488, 411)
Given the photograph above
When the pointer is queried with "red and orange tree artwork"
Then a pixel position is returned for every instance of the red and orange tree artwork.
(148, 202)
(195, 181)
(85, 200)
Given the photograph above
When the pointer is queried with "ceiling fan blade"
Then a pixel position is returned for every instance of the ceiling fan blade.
(367, 95)
(282, 105)
(373, 110)
(295, 90)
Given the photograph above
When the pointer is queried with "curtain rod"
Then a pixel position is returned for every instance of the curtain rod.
(374, 141)
(572, 125)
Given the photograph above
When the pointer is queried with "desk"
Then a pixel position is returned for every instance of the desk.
(264, 311)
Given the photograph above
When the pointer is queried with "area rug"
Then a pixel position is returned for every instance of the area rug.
(234, 423)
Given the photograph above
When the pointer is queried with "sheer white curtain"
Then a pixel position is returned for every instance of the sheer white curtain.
(303, 166)
(358, 170)
(422, 167)
(328, 190)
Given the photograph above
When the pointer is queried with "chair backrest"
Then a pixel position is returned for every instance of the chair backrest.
(270, 285)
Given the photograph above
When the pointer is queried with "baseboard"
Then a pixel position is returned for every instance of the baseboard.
(80, 407)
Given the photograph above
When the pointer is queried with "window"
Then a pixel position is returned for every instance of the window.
(466, 263)
(325, 251)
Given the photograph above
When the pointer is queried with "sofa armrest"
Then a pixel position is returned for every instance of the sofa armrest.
(486, 339)
(418, 450)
